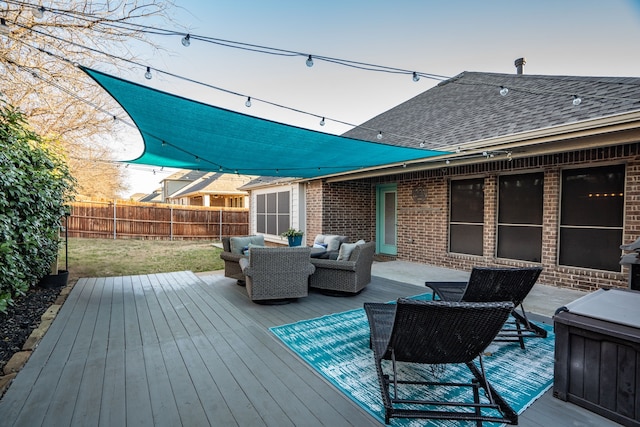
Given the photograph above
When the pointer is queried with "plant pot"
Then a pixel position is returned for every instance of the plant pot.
(295, 240)
(54, 280)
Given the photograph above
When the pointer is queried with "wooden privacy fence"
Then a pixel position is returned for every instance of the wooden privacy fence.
(119, 219)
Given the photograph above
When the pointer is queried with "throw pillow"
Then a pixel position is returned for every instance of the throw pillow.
(320, 245)
(345, 251)
(333, 243)
(319, 239)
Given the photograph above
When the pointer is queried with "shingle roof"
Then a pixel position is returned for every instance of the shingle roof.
(468, 107)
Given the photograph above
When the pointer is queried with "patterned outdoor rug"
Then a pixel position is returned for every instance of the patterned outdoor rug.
(337, 346)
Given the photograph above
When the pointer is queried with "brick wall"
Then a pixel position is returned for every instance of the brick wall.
(349, 208)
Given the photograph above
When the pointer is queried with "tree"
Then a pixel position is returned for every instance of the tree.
(39, 51)
(35, 188)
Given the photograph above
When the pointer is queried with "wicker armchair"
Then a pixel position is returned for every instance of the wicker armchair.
(437, 333)
(488, 284)
(344, 277)
(277, 274)
(231, 256)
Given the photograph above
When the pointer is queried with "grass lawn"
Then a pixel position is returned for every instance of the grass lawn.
(124, 257)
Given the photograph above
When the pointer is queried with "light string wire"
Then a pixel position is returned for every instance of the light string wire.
(170, 74)
(270, 50)
(281, 52)
(219, 166)
(245, 46)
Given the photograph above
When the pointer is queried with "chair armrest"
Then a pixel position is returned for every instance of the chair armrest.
(336, 265)
(447, 291)
(229, 256)
(244, 266)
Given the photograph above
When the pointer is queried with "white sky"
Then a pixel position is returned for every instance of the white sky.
(568, 37)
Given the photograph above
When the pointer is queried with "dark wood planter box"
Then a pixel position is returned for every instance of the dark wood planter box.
(597, 354)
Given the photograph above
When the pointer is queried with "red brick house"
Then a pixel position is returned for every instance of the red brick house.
(542, 170)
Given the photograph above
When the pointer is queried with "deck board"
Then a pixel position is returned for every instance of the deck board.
(179, 349)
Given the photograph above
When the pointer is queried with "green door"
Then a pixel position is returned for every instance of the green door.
(387, 219)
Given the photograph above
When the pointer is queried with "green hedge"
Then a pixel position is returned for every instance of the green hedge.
(34, 189)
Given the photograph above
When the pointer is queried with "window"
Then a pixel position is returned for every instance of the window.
(272, 212)
(466, 222)
(520, 216)
(591, 217)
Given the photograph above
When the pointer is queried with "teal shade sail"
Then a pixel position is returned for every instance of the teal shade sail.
(183, 133)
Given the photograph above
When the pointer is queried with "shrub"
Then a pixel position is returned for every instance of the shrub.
(36, 185)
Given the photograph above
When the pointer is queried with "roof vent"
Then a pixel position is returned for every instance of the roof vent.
(520, 64)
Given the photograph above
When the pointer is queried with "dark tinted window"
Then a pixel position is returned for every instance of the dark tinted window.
(592, 214)
(466, 224)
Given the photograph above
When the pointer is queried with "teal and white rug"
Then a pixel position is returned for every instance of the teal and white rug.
(337, 346)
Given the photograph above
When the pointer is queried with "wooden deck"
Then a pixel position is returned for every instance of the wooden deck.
(179, 349)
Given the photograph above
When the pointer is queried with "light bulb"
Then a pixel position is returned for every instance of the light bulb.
(38, 12)
(248, 103)
(322, 122)
(4, 28)
(577, 100)
(447, 161)
(309, 61)
(379, 136)
(416, 77)
(148, 74)
(503, 91)
(422, 144)
(186, 40)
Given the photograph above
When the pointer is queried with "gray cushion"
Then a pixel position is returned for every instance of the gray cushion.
(239, 244)
(345, 251)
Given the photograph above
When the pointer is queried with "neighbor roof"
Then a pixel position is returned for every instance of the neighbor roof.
(469, 107)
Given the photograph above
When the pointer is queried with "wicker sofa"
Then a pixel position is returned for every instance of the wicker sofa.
(349, 276)
(233, 251)
(277, 274)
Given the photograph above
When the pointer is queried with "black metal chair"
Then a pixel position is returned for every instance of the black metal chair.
(488, 284)
(437, 333)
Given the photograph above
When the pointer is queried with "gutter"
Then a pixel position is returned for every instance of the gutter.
(622, 128)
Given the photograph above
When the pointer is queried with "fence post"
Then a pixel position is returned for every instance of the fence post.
(220, 228)
(171, 222)
(114, 219)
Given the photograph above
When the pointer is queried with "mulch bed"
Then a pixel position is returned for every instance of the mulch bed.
(22, 318)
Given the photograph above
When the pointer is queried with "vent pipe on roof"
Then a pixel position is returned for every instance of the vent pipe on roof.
(520, 64)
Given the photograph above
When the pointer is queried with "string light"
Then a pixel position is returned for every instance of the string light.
(4, 28)
(148, 74)
(309, 61)
(422, 144)
(503, 91)
(322, 122)
(379, 136)
(576, 100)
(248, 102)
(186, 40)
(416, 77)
(38, 12)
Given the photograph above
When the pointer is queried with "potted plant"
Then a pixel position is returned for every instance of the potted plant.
(294, 236)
